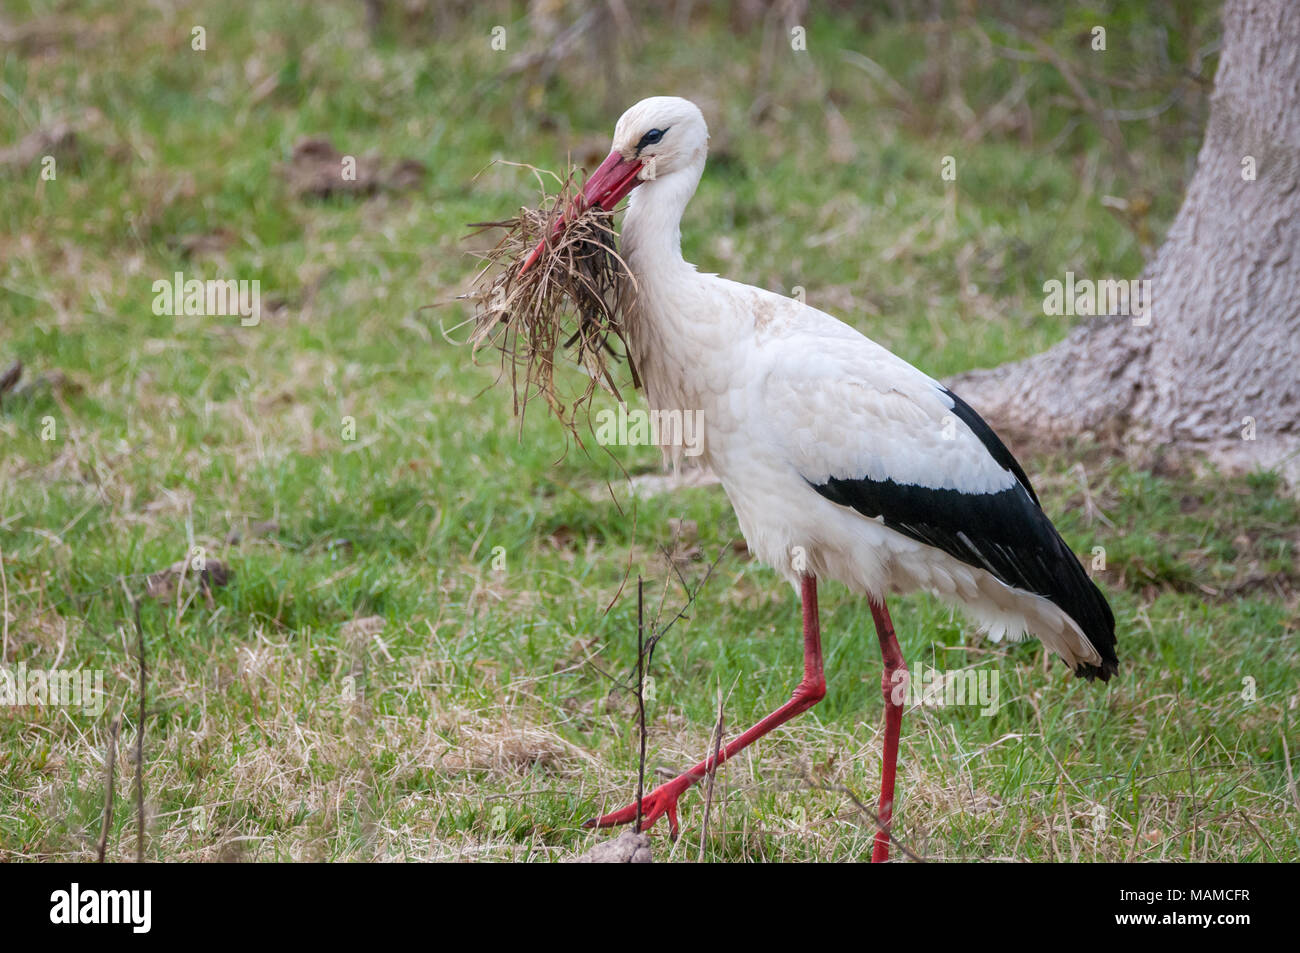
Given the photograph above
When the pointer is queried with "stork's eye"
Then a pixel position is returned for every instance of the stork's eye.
(650, 138)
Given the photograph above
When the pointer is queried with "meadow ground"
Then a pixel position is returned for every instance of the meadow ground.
(422, 650)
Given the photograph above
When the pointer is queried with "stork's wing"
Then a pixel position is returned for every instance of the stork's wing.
(847, 408)
(870, 432)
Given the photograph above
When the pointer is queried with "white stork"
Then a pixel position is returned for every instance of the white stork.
(841, 460)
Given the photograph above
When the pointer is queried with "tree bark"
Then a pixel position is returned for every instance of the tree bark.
(1216, 370)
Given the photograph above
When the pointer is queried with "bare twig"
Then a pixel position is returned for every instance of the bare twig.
(713, 771)
(897, 91)
(4, 583)
(645, 658)
(1258, 833)
(657, 633)
(111, 764)
(1106, 124)
(1191, 785)
(874, 818)
(1290, 773)
(10, 377)
(139, 741)
(690, 599)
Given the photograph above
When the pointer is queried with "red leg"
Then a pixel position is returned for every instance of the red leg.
(663, 799)
(894, 687)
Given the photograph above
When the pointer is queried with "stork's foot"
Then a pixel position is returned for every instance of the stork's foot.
(662, 800)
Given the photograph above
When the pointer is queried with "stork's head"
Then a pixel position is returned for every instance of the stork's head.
(662, 134)
(655, 138)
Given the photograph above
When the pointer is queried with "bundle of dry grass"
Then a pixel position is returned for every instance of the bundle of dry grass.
(570, 298)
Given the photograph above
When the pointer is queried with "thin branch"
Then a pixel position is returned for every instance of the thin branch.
(1106, 124)
(1290, 773)
(713, 771)
(111, 764)
(139, 741)
(691, 596)
(873, 817)
(4, 619)
(656, 633)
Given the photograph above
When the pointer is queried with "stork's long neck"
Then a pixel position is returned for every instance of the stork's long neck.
(652, 237)
(659, 321)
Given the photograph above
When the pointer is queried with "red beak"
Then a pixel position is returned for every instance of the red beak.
(606, 187)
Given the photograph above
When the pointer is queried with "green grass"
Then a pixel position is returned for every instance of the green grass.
(481, 721)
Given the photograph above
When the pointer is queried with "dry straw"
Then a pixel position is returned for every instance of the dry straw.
(572, 299)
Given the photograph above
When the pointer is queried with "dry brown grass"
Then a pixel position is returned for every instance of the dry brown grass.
(570, 298)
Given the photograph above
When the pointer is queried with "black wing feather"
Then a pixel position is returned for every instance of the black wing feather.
(996, 448)
(1005, 533)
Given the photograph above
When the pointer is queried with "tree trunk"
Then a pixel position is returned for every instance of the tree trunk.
(1215, 371)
